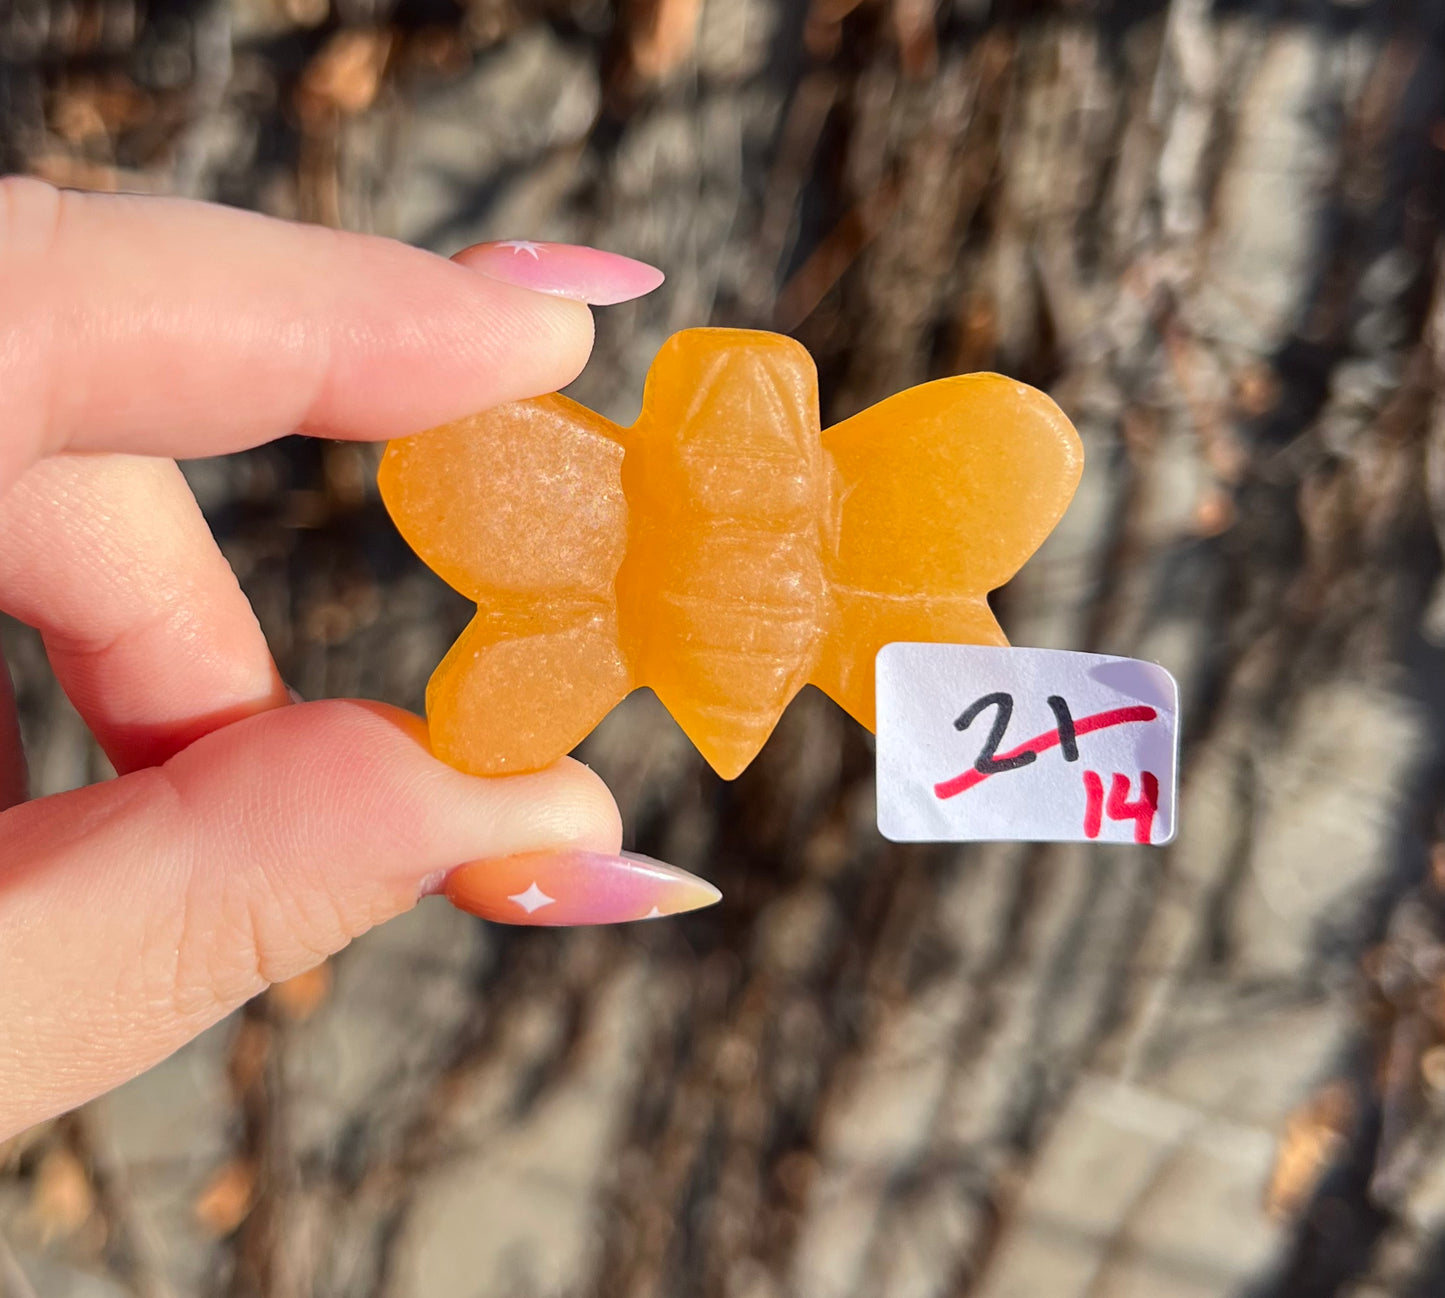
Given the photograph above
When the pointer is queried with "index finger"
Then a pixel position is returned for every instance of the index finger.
(168, 327)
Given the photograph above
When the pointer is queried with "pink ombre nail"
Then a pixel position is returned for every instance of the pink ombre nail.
(569, 886)
(563, 269)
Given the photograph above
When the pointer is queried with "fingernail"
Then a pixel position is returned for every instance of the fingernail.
(563, 269)
(294, 694)
(575, 887)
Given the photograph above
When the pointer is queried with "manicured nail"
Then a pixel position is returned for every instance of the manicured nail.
(575, 887)
(563, 269)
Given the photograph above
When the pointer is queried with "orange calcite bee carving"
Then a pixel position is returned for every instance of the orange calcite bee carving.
(724, 550)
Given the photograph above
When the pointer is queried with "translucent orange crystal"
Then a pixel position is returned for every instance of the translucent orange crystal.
(723, 550)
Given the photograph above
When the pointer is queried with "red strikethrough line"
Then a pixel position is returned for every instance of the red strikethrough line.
(1042, 743)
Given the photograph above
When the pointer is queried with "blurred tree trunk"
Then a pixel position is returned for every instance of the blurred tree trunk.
(1213, 233)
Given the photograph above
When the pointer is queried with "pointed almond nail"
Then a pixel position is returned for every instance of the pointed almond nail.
(569, 887)
(563, 269)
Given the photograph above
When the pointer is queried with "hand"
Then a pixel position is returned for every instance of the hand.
(245, 838)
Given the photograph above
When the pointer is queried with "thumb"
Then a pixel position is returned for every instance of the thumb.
(135, 913)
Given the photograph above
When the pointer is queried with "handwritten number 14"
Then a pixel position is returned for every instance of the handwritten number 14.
(1118, 807)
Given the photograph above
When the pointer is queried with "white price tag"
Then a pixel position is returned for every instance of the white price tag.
(982, 743)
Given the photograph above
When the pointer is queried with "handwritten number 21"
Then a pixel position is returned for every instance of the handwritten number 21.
(986, 763)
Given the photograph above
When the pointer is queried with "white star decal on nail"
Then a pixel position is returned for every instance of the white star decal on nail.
(534, 250)
(533, 899)
(654, 913)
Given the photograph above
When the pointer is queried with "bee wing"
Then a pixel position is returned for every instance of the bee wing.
(943, 492)
(517, 500)
(521, 509)
(516, 692)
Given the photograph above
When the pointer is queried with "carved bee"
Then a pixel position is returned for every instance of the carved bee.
(724, 550)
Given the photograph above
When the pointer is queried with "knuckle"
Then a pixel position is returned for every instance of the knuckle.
(296, 887)
(242, 932)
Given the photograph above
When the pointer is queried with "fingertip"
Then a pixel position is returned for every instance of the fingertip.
(574, 330)
(373, 762)
(585, 807)
(459, 343)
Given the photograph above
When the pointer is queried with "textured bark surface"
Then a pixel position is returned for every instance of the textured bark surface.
(1212, 232)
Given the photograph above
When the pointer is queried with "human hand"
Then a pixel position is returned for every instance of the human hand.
(245, 839)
